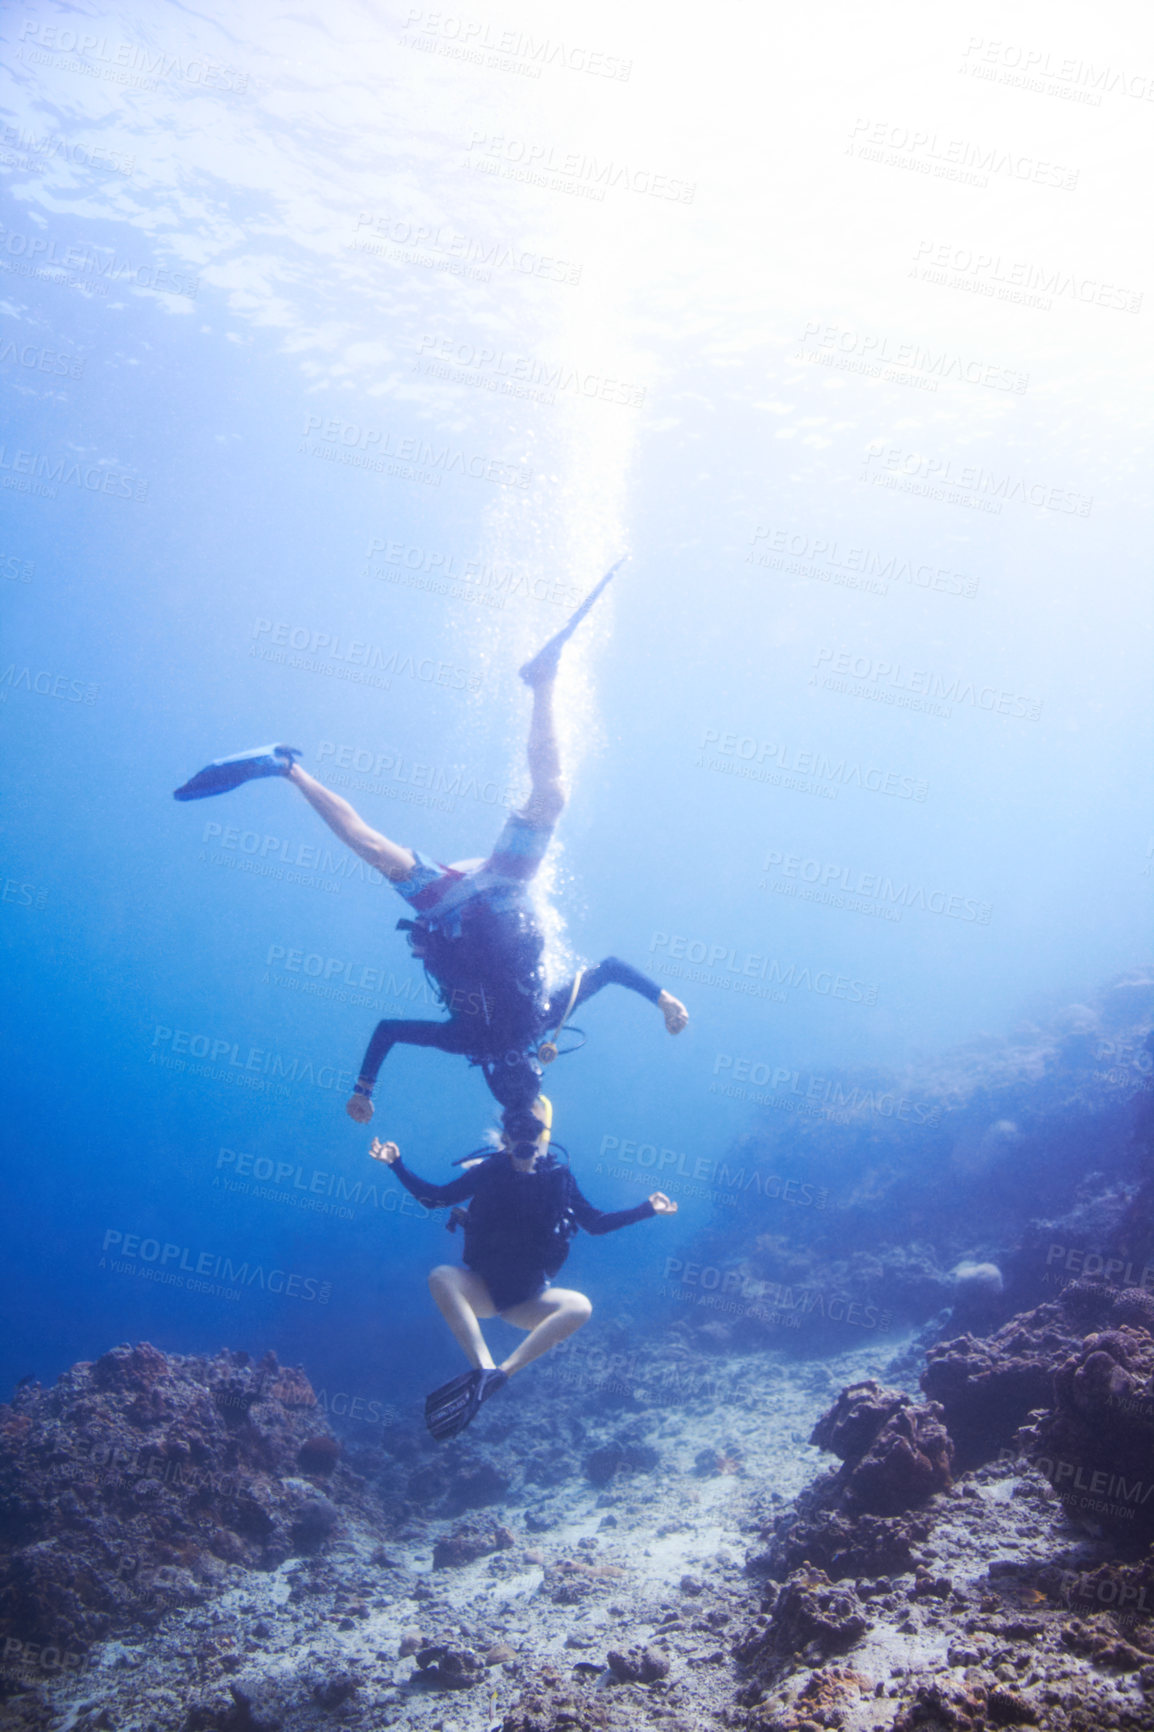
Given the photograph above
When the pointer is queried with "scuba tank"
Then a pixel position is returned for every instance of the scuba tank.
(491, 968)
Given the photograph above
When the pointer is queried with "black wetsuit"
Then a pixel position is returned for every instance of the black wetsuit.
(498, 1009)
(518, 1226)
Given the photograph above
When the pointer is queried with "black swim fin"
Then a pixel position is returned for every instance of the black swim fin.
(225, 773)
(456, 1404)
(544, 664)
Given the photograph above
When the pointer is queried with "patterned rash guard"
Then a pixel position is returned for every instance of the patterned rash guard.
(440, 893)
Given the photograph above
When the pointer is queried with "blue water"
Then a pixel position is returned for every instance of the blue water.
(883, 635)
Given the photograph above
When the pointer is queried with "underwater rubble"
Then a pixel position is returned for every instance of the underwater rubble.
(722, 1575)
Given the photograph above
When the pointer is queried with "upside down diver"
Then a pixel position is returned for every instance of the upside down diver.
(474, 927)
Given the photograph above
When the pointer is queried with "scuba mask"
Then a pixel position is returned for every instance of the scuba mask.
(523, 1136)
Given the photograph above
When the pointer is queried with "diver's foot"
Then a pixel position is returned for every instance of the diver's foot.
(457, 1403)
(359, 1105)
(543, 666)
(675, 1014)
(224, 774)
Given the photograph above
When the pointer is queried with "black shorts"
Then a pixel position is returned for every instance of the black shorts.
(509, 1286)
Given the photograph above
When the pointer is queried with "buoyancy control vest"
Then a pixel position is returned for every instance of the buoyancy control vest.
(520, 1220)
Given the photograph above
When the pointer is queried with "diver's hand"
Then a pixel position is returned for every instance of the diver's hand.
(359, 1108)
(662, 1205)
(387, 1152)
(675, 1014)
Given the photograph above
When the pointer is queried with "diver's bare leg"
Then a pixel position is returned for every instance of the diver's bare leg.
(461, 1297)
(547, 794)
(557, 1313)
(389, 858)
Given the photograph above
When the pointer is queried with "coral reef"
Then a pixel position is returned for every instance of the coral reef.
(966, 1603)
(856, 1521)
(1134, 1305)
(552, 1704)
(986, 1388)
(1096, 1444)
(967, 1707)
(895, 1454)
(136, 1482)
(1020, 1157)
(841, 1545)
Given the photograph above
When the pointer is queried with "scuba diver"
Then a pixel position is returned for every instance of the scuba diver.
(475, 929)
(524, 1207)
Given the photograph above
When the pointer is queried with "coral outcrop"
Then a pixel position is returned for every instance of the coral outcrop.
(443, 1668)
(133, 1484)
(986, 1388)
(1096, 1444)
(810, 1618)
(895, 1453)
(861, 1520)
(469, 1541)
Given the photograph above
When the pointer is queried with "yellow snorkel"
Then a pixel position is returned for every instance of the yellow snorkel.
(523, 1144)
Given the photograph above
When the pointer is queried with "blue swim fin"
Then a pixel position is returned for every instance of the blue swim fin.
(225, 773)
(544, 664)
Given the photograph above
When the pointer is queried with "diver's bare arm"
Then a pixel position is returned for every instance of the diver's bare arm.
(391, 858)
